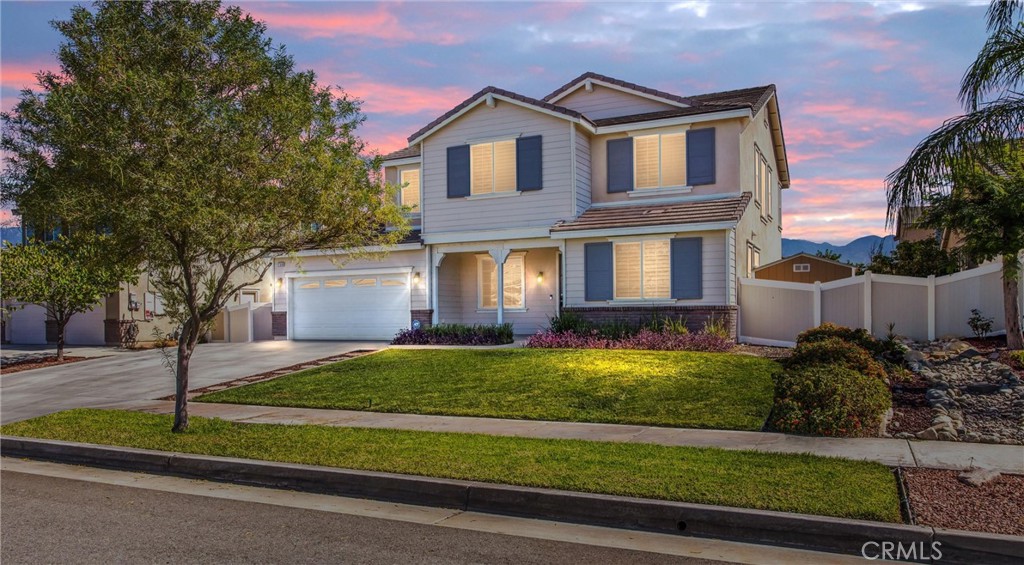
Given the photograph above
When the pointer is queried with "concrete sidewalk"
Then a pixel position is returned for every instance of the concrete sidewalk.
(892, 452)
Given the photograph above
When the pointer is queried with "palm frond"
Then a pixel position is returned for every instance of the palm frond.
(998, 68)
(1001, 13)
(976, 138)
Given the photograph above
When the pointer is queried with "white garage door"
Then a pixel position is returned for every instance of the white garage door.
(87, 328)
(350, 307)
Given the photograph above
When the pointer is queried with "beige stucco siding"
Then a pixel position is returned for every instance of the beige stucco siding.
(606, 102)
(532, 208)
(714, 269)
(414, 259)
(727, 156)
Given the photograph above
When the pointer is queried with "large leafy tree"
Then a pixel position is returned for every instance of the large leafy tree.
(972, 161)
(66, 277)
(916, 259)
(180, 129)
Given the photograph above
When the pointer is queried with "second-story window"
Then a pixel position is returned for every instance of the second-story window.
(410, 193)
(762, 184)
(493, 167)
(660, 160)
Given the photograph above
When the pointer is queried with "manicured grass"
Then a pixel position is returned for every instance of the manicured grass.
(789, 483)
(661, 388)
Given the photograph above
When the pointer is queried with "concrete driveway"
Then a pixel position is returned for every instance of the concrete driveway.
(142, 375)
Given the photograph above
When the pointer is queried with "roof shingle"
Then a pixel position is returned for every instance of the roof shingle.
(718, 210)
(623, 84)
(404, 153)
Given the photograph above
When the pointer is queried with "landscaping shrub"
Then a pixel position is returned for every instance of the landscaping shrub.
(456, 334)
(664, 340)
(859, 336)
(836, 352)
(829, 401)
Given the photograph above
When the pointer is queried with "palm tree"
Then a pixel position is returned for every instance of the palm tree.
(985, 144)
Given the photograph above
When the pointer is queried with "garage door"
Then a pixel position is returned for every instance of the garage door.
(350, 307)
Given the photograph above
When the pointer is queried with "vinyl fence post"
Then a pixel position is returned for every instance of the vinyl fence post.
(817, 303)
(867, 301)
(931, 307)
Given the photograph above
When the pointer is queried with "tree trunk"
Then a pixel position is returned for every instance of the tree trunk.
(61, 326)
(186, 345)
(1011, 292)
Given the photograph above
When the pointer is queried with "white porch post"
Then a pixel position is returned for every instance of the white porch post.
(434, 270)
(499, 255)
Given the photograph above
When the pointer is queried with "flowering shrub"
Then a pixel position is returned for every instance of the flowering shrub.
(836, 352)
(664, 340)
(456, 334)
(829, 401)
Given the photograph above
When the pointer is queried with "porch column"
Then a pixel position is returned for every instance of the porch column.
(499, 256)
(435, 268)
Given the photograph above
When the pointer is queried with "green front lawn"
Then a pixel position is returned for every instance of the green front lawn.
(769, 481)
(661, 388)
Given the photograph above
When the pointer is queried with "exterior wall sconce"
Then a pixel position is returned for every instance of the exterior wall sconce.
(540, 277)
(416, 278)
(280, 283)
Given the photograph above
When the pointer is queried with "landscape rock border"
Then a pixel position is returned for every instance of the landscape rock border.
(817, 533)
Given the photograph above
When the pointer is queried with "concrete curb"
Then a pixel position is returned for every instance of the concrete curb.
(818, 533)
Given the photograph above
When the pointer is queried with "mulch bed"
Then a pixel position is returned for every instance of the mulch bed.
(273, 374)
(18, 366)
(776, 353)
(910, 419)
(938, 499)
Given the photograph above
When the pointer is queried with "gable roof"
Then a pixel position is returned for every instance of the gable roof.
(805, 255)
(404, 153)
(581, 80)
(748, 98)
(694, 212)
(470, 102)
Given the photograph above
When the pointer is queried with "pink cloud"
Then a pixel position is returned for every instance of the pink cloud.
(17, 76)
(397, 99)
(870, 116)
(379, 25)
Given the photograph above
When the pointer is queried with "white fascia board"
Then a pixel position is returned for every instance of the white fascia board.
(480, 100)
(600, 82)
(486, 235)
(652, 199)
(678, 121)
(404, 161)
(643, 230)
(350, 272)
(349, 251)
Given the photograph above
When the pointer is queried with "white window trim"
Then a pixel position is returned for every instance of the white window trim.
(751, 267)
(649, 192)
(660, 189)
(515, 172)
(801, 267)
(641, 298)
(489, 195)
(480, 308)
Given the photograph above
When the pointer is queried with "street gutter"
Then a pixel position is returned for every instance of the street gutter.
(818, 533)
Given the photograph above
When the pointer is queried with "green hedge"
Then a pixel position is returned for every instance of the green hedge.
(829, 400)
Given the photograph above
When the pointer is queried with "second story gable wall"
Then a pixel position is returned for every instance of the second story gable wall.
(604, 102)
(727, 161)
(534, 208)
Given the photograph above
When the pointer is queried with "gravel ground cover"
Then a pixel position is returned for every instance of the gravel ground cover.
(938, 499)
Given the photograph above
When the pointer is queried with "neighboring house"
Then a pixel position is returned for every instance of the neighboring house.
(604, 198)
(804, 268)
(135, 305)
(907, 229)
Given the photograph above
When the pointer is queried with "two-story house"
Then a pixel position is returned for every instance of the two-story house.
(604, 198)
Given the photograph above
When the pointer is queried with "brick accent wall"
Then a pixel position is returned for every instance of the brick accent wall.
(424, 317)
(115, 332)
(279, 324)
(695, 316)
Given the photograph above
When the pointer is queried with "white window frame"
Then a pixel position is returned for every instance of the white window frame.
(515, 159)
(419, 190)
(801, 267)
(758, 179)
(480, 260)
(642, 242)
(752, 265)
(661, 185)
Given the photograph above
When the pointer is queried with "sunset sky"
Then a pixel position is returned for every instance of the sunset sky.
(859, 83)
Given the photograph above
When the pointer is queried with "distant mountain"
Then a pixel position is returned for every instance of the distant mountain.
(11, 235)
(857, 251)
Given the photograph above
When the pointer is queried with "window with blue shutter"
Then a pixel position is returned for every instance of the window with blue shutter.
(529, 173)
(597, 269)
(687, 268)
(700, 156)
(620, 164)
(458, 171)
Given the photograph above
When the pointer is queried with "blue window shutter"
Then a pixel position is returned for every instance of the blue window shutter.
(458, 171)
(529, 175)
(597, 269)
(620, 164)
(700, 156)
(687, 267)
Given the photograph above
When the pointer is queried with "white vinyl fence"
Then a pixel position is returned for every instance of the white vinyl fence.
(774, 312)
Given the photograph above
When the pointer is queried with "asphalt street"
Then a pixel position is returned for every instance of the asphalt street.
(58, 520)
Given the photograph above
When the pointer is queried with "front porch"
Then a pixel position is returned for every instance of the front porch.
(470, 288)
